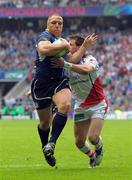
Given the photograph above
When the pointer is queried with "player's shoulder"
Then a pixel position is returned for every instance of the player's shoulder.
(89, 58)
(43, 36)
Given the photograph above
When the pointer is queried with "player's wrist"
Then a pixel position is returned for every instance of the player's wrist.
(67, 65)
(86, 45)
(84, 48)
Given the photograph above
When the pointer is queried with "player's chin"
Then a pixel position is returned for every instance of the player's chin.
(57, 33)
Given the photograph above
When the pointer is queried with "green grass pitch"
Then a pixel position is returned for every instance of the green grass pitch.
(21, 157)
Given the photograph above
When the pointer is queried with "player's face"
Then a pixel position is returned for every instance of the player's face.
(73, 46)
(55, 25)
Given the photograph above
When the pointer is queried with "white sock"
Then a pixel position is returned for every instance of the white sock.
(99, 144)
(87, 150)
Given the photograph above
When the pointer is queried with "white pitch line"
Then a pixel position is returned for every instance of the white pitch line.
(20, 165)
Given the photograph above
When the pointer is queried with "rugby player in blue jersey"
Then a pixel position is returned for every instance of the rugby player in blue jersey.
(51, 85)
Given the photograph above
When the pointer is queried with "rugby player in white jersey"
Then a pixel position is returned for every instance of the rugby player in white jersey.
(90, 101)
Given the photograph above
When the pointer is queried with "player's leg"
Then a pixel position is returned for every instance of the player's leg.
(98, 113)
(80, 133)
(39, 94)
(62, 99)
(45, 117)
(43, 106)
(95, 139)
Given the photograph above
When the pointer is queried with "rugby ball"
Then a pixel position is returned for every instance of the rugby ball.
(61, 52)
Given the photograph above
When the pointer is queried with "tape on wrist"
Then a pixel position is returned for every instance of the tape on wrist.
(67, 65)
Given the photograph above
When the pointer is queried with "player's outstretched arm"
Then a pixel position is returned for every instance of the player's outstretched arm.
(89, 41)
(78, 68)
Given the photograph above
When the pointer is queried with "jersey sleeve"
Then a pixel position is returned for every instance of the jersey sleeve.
(42, 37)
(92, 61)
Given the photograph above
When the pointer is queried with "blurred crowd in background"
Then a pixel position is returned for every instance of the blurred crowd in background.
(17, 107)
(57, 3)
(16, 50)
(113, 51)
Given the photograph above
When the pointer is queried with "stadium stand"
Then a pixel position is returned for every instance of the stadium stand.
(58, 3)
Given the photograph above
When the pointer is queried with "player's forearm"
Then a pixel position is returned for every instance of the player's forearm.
(78, 68)
(49, 52)
(51, 49)
(76, 57)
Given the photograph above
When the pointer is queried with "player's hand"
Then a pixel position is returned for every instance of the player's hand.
(57, 63)
(27, 94)
(90, 41)
(65, 44)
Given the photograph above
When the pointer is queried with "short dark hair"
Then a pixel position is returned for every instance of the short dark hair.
(55, 14)
(78, 39)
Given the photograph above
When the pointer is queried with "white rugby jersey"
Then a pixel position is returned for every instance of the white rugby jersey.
(87, 88)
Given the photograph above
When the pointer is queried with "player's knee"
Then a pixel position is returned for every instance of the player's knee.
(79, 142)
(64, 107)
(93, 138)
(44, 124)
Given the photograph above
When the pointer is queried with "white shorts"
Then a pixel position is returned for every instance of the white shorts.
(85, 113)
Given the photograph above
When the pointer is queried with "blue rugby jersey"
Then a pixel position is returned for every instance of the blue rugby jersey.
(44, 69)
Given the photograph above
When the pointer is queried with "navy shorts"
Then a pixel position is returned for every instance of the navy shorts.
(42, 91)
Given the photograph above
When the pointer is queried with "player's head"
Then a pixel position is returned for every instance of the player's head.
(75, 42)
(55, 24)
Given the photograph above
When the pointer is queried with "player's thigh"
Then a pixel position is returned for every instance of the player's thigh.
(63, 96)
(81, 129)
(45, 114)
(95, 127)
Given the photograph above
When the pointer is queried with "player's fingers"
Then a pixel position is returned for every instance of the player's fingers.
(95, 37)
(93, 34)
(87, 38)
(55, 66)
